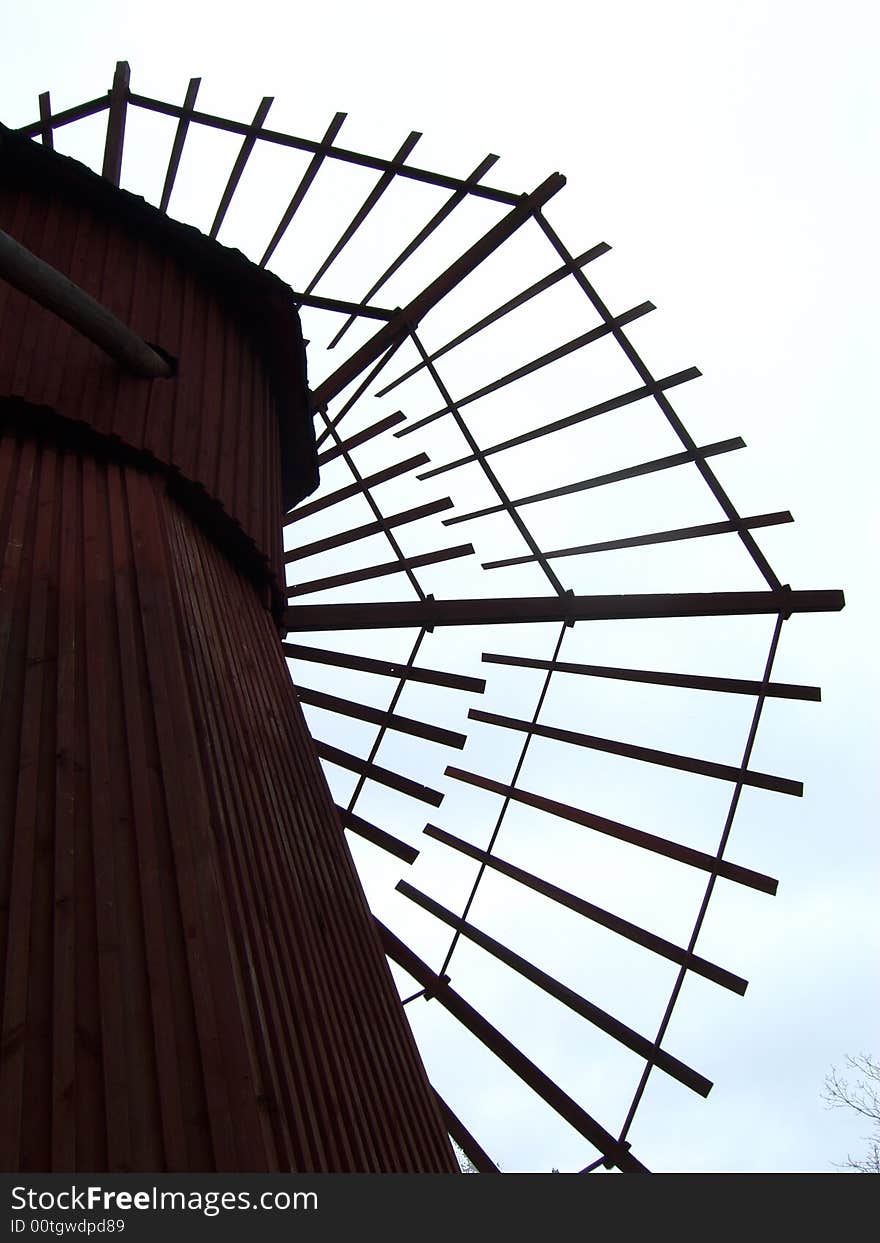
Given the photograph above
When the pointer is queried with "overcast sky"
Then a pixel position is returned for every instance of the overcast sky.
(728, 153)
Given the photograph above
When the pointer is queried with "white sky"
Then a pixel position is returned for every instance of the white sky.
(728, 154)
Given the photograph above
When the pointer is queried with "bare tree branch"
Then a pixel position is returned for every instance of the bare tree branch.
(862, 1096)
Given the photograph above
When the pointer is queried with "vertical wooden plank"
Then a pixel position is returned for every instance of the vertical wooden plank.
(66, 752)
(91, 1112)
(181, 1095)
(20, 1037)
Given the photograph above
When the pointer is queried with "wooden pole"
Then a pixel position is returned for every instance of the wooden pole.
(54, 291)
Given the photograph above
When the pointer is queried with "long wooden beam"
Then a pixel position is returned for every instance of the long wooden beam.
(504, 1049)
(53, 290)
(399, 327)
(569, 608)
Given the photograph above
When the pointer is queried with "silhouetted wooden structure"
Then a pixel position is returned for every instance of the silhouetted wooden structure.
(192, 979)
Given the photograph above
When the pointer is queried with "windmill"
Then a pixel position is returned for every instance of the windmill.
(192, 977)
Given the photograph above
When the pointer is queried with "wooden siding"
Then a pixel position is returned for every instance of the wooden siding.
(214, 424)
(190, 978)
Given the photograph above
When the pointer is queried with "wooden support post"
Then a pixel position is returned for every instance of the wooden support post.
(53, 290)
(116, 123)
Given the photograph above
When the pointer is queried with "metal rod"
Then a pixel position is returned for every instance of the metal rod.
(632, 932)
(648, 755)
(556, 989)
(53, 290)
(568, 608)
(623, 832)
(732, 686)
(368, 664)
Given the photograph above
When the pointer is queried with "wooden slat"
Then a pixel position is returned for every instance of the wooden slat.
(358, 158)
(701, 682)
(554, 988)
(665, 406)
(241, 160)
(179, 138)
(668, 759)
(356, 488)
(376, 716)
(89, 109)
(601, 481)
(402, 565)
(508, 1053)
(512, 304)
(457, 197)
(388, 668)
(378, 190)
(635, 837)
(654, 537)
(623, 927)
(353, 534)
(112, 167)
(569, 608)
(360, 438)
(570, 420)
(400, 327)
(46, 120)
(379, 837)
(474, 1152)
(552, 356)
(373, 772)
(302, 189)
(495, 483)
